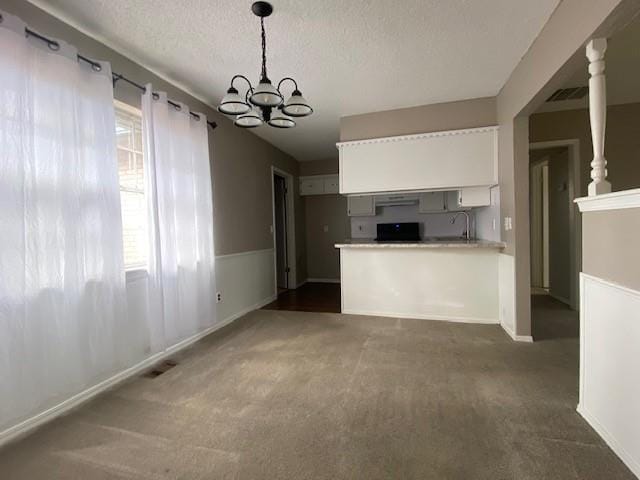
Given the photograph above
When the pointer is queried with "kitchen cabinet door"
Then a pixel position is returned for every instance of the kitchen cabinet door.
(331, 184)
(431, 202)
(361, 206)
(311, 186)
(474, 197)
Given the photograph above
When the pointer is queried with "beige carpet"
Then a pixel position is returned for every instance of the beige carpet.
(294, 395)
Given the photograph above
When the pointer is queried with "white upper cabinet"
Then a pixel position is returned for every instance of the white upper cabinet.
(361, 206)
(439, 160)
(331, 184)
(319, 185)
(311, 185)
(474, 197)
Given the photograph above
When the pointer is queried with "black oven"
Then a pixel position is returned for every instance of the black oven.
(398, 232)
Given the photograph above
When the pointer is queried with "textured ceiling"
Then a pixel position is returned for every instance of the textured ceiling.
(349, 56)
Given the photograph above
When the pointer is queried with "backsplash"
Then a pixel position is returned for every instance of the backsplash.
(431, 224)
(485, 221)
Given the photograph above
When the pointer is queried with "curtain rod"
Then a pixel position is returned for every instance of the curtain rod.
(54, 45)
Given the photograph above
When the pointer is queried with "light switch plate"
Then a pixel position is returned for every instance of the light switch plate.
(508, 225)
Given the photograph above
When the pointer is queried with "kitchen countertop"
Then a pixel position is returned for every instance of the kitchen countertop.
(427, 243)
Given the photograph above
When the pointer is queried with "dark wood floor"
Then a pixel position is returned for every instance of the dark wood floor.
(310, 297)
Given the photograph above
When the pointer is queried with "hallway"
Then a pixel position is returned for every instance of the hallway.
(552, 319)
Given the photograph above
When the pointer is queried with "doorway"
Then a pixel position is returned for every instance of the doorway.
(551, 237)
(555, 227)
(283, 230)
(280, 214)
(539, 215)
(554, 241)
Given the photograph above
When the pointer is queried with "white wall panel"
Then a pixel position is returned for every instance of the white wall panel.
(245, 280)
(610, 365)
(437, 284)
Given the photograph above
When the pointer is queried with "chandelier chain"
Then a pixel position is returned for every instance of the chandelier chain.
(264, 49)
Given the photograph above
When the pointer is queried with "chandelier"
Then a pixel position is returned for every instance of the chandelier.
(257, 105)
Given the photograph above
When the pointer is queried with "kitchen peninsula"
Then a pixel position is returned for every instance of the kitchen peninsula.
(422, 183)
(455, 280)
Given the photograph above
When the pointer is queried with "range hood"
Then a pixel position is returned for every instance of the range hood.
(396, 200)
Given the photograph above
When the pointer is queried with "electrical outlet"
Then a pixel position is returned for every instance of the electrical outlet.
(218, 297)
(270, 228)
(325, 228)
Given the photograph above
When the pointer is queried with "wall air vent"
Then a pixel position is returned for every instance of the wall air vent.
(160, 369)
(574, 93)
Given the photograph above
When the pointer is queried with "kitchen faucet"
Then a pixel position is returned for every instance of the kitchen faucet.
(467, 232)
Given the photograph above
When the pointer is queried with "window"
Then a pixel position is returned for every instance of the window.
(132, 195)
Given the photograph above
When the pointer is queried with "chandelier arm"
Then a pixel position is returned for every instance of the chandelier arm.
(290, 79)
(242, 77)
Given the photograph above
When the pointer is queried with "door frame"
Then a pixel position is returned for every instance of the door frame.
(291, 229)
(575, 223)
(540, 228)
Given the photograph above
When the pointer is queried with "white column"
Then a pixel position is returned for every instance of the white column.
(598, 114)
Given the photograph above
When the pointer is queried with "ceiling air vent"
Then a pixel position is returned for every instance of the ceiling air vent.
(574, 93)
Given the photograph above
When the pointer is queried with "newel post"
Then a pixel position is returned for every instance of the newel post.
(598, 115)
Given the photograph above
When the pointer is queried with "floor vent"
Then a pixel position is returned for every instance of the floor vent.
(160, 369)
(574, 93)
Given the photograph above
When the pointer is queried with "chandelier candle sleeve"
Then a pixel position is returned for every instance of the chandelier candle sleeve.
(257, 105)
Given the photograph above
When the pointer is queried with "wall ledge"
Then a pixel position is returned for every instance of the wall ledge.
(610, 201)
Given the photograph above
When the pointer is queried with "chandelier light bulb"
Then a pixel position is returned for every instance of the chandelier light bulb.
(233, 104)
(249, 120)
(297, 105)
(281, 120)
(266, 95)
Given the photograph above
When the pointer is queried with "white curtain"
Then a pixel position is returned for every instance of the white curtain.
(63, 324)
(181, 279)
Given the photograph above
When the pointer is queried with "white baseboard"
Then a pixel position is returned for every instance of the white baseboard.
(27, 426)
(445, 318)
(517, 338)
(323, 280)
(610, 440)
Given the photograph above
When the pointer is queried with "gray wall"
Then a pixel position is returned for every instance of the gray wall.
(622, 147)
(323, 259)
(610, 246)
(241, 162)
(478, 112)
(328, 166)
